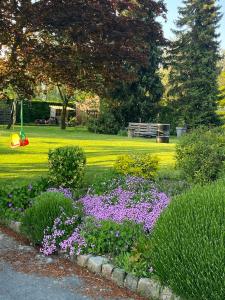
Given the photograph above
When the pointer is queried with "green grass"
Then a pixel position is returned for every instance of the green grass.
(24, 164)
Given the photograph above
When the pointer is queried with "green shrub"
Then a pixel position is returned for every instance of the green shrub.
(14, 202)
(138, 260)
(122, 132)
(188, 243)
(46, 208)
(66, 166)
(126, 243)
(108, 237)
(171, 183)
(104, 123)
(200, 155)
(140, 165)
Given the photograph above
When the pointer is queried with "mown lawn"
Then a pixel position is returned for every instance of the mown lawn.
(24, 164)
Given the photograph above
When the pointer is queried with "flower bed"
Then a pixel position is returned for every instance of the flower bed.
(117, 223)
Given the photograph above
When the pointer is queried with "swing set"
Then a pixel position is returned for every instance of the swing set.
(19, 140)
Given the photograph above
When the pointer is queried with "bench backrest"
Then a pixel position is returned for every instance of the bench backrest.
(143, 128)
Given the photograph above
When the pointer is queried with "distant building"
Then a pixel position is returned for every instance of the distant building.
(56, 111)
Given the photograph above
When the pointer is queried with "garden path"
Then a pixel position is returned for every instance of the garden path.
(25, 274)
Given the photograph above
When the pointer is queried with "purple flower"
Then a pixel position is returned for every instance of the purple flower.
(117, 234)
(73, 243)
(30, 187)
(137, 201)
(9, 204)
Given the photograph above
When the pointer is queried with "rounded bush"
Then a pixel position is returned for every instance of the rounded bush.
(188, 243)
(105, 123)
(47, 207)
(200, 154)
(66, 166)
(139, 164)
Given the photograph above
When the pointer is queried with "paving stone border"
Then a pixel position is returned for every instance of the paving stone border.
(149, 288)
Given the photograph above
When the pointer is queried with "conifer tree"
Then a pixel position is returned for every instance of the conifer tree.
(194, 57)
(139, 100)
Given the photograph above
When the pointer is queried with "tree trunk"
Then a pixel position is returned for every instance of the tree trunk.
(65, 102)
(12, 120)
(63, 117)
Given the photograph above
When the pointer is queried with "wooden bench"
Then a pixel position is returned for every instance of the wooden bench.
(142, 129)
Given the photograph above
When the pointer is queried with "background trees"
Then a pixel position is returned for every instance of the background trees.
(114, 49)
(17, 42)
(139, 100)
(222, 81)
(87, 45)
(194, 59)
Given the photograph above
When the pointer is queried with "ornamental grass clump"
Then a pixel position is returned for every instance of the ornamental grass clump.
(188, 243)
(46, 208)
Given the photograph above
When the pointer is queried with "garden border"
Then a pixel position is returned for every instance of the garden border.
(149, 288)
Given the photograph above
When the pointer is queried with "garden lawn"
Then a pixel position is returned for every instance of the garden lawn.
(22, 165)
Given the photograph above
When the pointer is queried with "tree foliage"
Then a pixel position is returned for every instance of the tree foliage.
(194, 59)
(87, 45)
(139, 100)
(222, 82)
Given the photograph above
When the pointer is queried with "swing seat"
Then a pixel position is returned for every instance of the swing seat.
(15, 140)
(24, 142)
(19, 140)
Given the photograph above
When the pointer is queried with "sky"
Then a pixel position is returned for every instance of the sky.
(172, 6)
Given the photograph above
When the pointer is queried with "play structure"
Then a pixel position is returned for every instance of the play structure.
(19, 140)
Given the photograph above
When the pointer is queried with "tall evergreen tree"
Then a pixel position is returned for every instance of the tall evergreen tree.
(194, 59)
(139, 100)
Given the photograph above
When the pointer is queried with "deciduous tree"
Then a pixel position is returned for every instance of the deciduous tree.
(87, 45)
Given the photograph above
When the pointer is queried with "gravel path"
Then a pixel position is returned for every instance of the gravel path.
(26, 274)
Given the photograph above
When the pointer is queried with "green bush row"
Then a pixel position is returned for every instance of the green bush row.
(200, 154)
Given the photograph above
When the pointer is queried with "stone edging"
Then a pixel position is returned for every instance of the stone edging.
(149, 288)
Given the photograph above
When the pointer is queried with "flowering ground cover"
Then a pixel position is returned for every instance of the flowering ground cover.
(134, 199)
(113, 221)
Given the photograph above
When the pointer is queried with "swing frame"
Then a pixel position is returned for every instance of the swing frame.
(20, 139)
